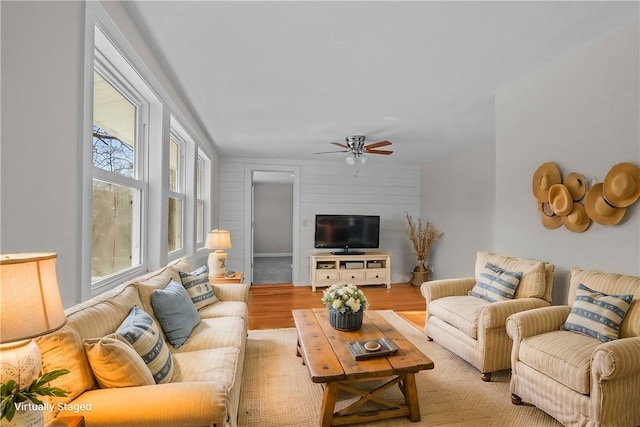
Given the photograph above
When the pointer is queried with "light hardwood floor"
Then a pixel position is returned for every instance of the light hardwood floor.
(270, 305)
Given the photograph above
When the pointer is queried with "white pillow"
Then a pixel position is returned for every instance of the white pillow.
(116, 364)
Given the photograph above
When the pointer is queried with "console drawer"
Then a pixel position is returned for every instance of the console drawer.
(351, 275)
(327, 276)
(377, 274)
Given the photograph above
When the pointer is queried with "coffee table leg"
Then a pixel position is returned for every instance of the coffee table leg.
(411, 396)
(328, 404)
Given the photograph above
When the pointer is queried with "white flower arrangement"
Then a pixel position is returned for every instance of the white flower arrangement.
(345, 298)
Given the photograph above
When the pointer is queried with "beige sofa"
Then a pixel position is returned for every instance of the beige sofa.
(576, 378)
(203, 388)
(474, 328)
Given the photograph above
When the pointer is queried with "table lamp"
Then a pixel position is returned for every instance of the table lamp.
(30, 306)
(218, 240)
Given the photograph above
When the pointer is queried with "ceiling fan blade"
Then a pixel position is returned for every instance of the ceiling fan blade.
(378, 144)
(385, 152)
(327, 152)
(339, 144)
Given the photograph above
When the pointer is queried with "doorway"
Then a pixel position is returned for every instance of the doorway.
(272, 240)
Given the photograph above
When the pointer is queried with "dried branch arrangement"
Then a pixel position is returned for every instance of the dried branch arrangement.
(423, 239)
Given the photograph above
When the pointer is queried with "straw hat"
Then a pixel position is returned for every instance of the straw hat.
(577, 185)
(577, 220)
(544, 177)
(560, 199)
(549, 219)
(622, 185)
(599, 209)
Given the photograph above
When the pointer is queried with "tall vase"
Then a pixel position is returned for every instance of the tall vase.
(345, 321)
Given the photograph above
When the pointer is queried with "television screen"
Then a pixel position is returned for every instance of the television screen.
(347, 231)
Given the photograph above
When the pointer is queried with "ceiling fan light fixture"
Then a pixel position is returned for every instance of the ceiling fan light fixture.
(350, 159)
(363, 159)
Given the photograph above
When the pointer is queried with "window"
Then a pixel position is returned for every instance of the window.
(148, 198)
(176, 194)
(200, 201)
(117, 188)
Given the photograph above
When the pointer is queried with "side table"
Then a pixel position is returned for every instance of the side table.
(70, 421)
(237, 277)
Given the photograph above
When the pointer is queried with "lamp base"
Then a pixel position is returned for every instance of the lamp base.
(22, 363)
(25, 418)
(217, 263)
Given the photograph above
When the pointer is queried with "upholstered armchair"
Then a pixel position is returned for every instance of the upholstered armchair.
(578, 362)
(469, 320)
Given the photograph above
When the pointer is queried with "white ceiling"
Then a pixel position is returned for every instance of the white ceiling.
(281, 79)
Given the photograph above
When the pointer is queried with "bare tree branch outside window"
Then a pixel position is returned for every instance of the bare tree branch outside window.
(112, 154)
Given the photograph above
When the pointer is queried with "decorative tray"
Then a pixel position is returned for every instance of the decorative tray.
(359, 351)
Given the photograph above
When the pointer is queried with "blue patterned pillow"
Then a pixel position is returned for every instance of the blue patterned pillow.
(197, 285)
(496, 284)
(597, 314)
(175, 312)
(139, 329)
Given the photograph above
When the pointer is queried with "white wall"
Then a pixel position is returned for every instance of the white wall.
(272, 217)
(582, 112)
(43, 57)
(380, 188)
(458, 197)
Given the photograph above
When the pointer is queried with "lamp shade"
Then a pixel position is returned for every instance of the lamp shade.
(30, 303)
(218, 239)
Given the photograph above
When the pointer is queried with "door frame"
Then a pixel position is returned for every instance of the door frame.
(249, 169)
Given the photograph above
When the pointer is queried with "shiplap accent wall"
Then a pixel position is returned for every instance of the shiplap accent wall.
(380, 188)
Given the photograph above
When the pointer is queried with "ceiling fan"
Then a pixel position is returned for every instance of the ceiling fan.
(356, 148)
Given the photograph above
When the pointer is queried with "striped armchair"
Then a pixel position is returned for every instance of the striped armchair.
(473, 327)
(588, 378)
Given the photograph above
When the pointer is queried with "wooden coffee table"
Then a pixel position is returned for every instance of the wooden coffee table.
(324, 352)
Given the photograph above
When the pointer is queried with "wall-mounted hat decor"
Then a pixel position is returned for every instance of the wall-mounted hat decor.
(560, 199)
(544, 177)
(577, 221)
(605, 203)
(577, 185)
(549, 219)
(622, 185)
(599, 209)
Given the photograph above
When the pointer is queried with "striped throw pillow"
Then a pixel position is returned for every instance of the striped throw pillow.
(197, 285)
(597, 314)
(139, 329)
(496, 284)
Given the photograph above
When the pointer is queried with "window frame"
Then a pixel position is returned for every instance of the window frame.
(181, 191)
(113, 76)
(106, 41)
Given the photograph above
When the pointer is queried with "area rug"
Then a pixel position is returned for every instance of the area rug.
(277, 391)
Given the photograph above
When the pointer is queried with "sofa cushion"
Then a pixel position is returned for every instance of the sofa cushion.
(597, 314)
(533, 281)
(102, 314)
(197, 285)
(150, 282)
(496, 284)
(216, 365)
(613, 284)
(143, 334)
(215, 333)
(225, 309)
(63, 349)
(115, 363)
(562, 355)
(459, 311)
(175, 311)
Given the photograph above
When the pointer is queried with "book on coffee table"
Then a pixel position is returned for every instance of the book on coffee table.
(364, 349)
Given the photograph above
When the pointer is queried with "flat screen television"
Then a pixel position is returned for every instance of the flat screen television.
(347, 232)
